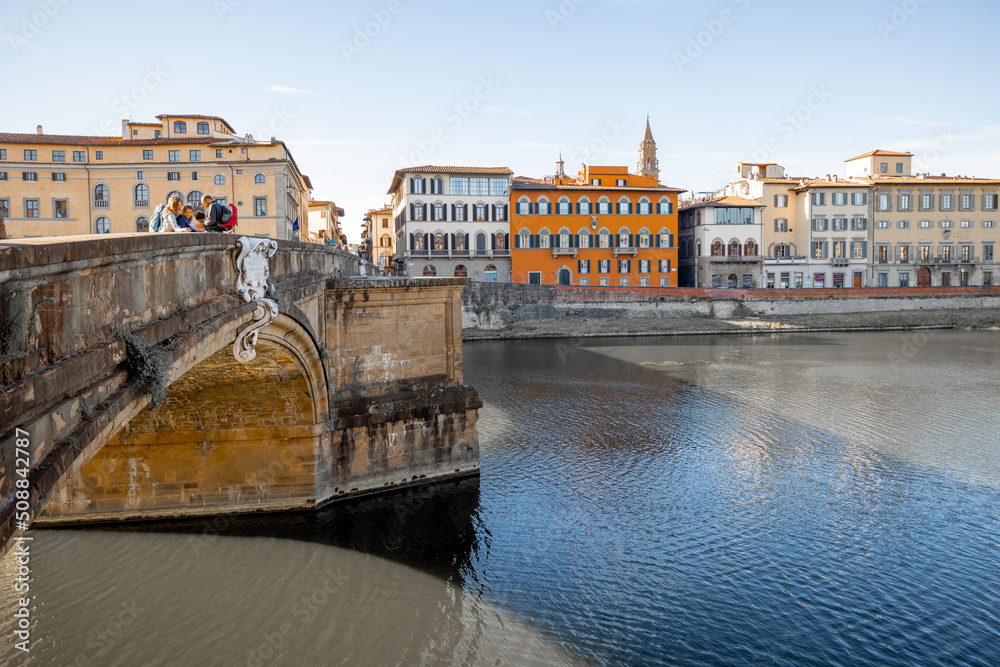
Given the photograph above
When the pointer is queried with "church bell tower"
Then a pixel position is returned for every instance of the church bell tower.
(649, 166)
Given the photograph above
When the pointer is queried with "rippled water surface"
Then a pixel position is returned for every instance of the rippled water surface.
(826, 499)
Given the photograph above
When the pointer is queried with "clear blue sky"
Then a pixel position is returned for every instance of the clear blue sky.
(559, 74)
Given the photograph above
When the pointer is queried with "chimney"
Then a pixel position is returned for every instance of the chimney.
(40, 130)
(834, 178)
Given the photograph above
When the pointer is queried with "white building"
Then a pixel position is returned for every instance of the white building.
(453, 221)
(720, 243)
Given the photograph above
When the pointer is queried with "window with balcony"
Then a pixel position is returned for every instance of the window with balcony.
(102, 196)
(141, 196)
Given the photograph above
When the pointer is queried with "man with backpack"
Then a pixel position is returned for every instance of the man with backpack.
(220, 217)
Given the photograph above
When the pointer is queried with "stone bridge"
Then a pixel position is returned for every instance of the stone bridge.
(164, 375)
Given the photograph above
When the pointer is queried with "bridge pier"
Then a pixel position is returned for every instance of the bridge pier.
(353, 387)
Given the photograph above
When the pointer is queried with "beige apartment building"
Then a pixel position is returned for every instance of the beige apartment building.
(929, 230)
(378, 238)
(324, 224)
(62, 185)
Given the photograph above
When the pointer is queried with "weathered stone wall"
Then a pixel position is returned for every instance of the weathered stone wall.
(494, 306)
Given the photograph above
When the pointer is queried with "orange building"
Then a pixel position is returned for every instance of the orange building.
(606, 227)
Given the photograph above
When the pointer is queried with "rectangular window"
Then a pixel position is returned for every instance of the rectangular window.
(173, 176)
(968, 202)
(820, 224)
(644, 281)
(781, 225)
(884, 202)
(781, 201)
(58, 177)
(770, 280)
(58, 156)
(947, 202)
(595, 181)
(926, 224)
(859, 198)
(904, 279)
(926, 202)
(840, 224)
(899, 167)
(604, 208)
(140, 175)
(904, 202)
(620, 183)
(623, 282)
(966, 253)
(260, 206)
(987, 279)
(664, 266)
(987, 252)
(882, 224)
(218, 153)
(989, 224)
(819, 249)
(31, 208)
(79, 156)
(534, 278)
(194, 175)
(904, 224)
(883, 168)
(859, 224)
(5, 207)
(883, 279)
(838, 280)
(29, 176)
(904, 254)
(3, 153)
(819, 280)
(946, 253)
(946, 224)
(604, 266)
(883, 254)
(195, 156)
(499, 187)
(840, 249)
(644, 265)
(459, 186)
(858, 249)
(147, 155)
(479, 187)
(584, 282)
(60, 208)
(30, 155)
(3, 175)
(819, 198)
(174, 156)
(925, 253)
(966, 224)
(583, 266)
(839, 198)
(98, 155)
(989, 202)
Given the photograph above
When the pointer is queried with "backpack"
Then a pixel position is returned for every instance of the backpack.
(157, 219)
(229, 217)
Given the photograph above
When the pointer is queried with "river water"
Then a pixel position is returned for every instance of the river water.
(797, 499)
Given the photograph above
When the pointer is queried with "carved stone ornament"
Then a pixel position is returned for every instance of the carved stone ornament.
(253, 269)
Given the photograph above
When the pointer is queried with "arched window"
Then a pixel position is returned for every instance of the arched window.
(751, 249)
(624, 238)
(142, 224)
(480, 212)
(460, 241)
(481, 244)
(734, 248)
(717, 249)
(498, 213)
(645, 207)
(644, 238)
(490, 274)
(563, 207)
(563, 240)
(439, 241)
(603, 206)
(418, 241)
(544, 237)
(665, 239)
(524, 206)
(202, 128)
(101, 193)
(259, 179)
(180, 127)
(666, 206)
(525, 236)
(430, 271)
(543, 207)
(585, 207)
(437, 186)
(499, 238)
(624, 206)
(461, 271)
(698, 250)
(102, 225)
(584, 236)
(605, 236)
(173, 193)
(418, 186)
(194, 200)
(220, 179)
(439, 211)
(142, 195)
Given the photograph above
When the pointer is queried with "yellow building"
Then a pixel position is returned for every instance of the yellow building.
(938, 231)
(324, 224)
(62, 185)
(378, 237)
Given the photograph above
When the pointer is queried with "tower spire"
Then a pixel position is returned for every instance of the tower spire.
(560, 167)
(649, 166)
